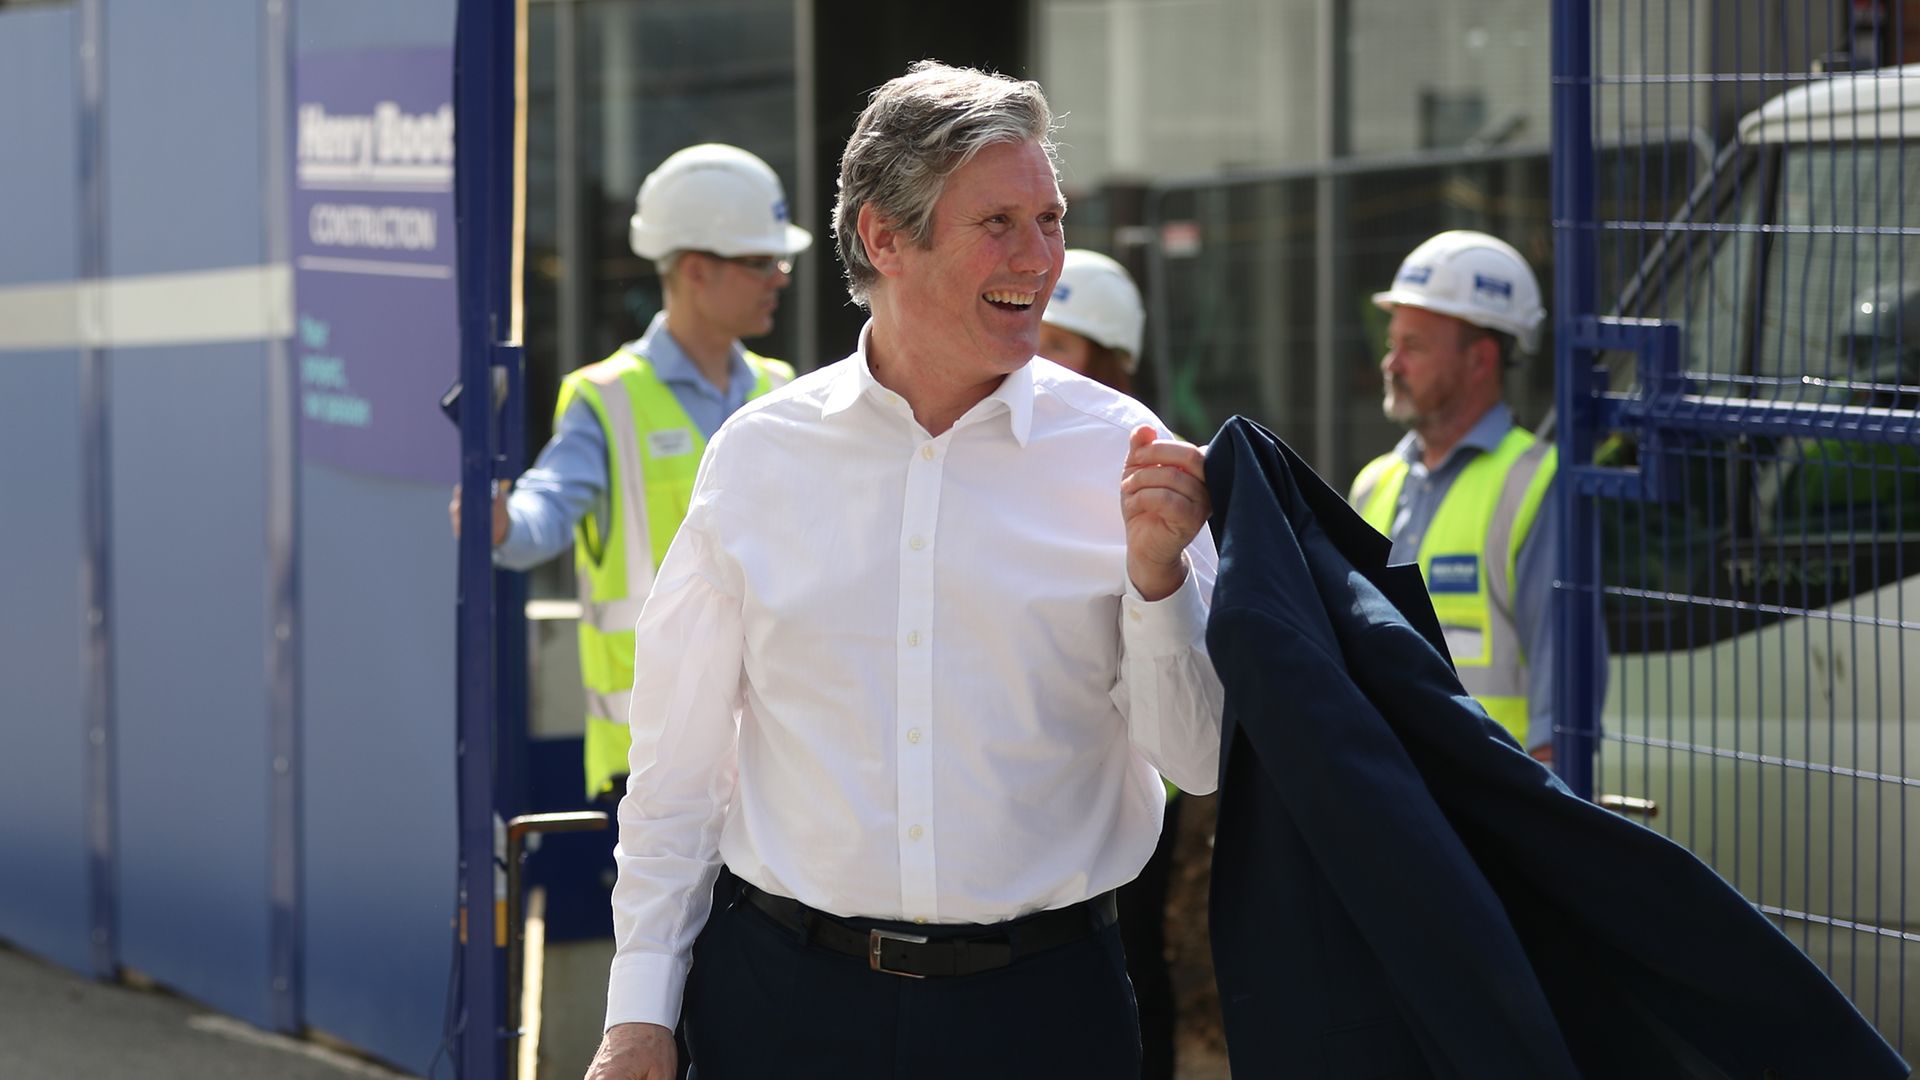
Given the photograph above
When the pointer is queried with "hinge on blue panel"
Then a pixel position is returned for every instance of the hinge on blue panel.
(1656, 347)
(504, 362)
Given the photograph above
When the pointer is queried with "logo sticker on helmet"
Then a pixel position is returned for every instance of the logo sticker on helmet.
(1493, 288)
(780, 210)
(1061, 291)
(1415, 275)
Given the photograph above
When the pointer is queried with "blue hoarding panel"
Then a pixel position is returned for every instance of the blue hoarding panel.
(185, 163)
(377, 703)
(43, 840)
(377, 684)
(187, 447)
(37, 64)
(355, 24)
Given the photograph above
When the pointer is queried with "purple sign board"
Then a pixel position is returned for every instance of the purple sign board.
(377, 336)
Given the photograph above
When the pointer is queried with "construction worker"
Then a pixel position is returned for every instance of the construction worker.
(1093, 323)
(1467, 492)
(1093, 326)
(629, 431)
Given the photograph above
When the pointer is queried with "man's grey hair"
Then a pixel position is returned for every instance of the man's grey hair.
(918, 130)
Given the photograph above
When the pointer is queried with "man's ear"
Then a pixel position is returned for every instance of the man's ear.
(693, 269)
(881, 239)
(1486, 356)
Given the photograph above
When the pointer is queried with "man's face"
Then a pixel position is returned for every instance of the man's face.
(740, 295)
(975, 294)
(1426, 366)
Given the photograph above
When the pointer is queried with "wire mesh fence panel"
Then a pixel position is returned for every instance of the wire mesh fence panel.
(1744, 478)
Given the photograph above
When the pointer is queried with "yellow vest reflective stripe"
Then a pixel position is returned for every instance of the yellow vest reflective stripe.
(653, 456)
(1469, 557)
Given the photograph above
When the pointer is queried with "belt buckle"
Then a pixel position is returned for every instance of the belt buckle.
(876, 938)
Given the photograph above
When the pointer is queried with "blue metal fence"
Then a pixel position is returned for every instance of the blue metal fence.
(1742, 450)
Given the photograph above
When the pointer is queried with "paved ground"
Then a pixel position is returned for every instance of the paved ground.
(55, 1025)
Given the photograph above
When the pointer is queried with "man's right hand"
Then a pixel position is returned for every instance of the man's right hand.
(634, 1052)
(500, 519)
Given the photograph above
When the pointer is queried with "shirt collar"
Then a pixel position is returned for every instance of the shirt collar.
(1483, 437)
(672, 364)
(856, 380)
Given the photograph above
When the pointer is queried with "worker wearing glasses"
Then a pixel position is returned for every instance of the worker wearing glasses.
(629, 430)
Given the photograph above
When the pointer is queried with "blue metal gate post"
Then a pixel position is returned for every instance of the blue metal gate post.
(1576, 601)
(103, 875)
(483, 116)
(286, 948)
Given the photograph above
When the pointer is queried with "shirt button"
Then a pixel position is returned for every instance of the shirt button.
(913, 735)
(1134, 615)
(916, 543)
(913, 638)
(927, 451)
(920, 920)
(916, 833)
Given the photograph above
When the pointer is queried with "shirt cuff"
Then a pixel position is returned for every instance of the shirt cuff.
(1164, 627)
(517, 551)
(645, 988)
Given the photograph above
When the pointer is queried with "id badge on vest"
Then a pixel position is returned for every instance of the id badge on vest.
(1451, 576)
(669, 442)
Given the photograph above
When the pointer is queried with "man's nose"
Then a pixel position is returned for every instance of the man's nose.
(1034, 253)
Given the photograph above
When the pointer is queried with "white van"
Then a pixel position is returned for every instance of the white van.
(1764, 615)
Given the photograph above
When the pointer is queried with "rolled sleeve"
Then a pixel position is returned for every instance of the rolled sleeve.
(1168, 690)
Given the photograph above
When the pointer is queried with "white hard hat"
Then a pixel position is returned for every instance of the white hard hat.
(717, 198)
(1097, 300)
(1475, 277)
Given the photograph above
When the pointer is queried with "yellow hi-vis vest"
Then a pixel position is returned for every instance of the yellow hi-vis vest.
(653, 455)
(1468, 559)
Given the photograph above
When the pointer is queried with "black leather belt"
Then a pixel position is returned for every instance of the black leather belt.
(918, 956)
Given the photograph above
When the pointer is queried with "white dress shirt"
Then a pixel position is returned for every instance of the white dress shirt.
(901, 676)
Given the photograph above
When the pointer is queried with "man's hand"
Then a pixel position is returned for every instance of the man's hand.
(1164, 501)
(634, 1052)
(500, 519)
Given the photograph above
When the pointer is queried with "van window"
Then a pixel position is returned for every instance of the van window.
(1708, 291)
(1840, 214)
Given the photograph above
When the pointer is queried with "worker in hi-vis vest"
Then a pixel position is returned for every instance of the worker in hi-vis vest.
(628, 431)
(1467, 493)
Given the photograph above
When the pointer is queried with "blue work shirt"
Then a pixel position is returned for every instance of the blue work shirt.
(1420, 499)
(569, 480)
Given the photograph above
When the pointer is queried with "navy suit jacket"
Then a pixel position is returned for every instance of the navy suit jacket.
(1400, 891)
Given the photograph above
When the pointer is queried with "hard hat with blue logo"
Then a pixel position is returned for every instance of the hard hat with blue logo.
(1471, 276)
(1097, 299)
(715, 198)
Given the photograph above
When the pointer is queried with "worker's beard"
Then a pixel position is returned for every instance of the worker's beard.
(1396, 404)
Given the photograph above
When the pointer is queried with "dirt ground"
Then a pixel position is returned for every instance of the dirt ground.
(1200, 1047)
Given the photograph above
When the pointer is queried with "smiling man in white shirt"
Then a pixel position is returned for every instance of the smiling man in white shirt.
(930, 634)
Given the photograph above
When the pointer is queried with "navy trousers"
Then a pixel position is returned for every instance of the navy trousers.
(1143, 930)
(761, 1002)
